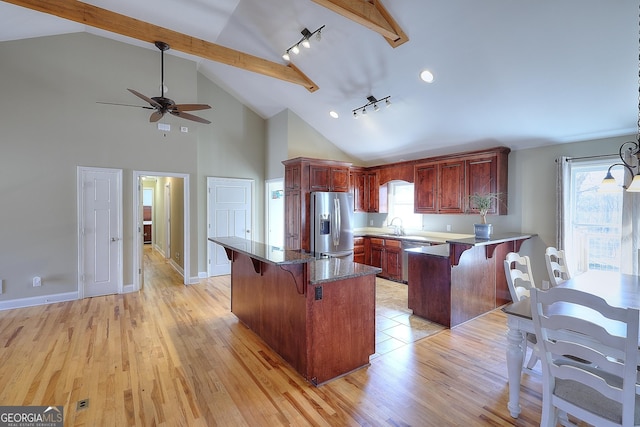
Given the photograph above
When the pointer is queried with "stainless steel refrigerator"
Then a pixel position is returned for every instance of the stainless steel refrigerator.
(331, 217)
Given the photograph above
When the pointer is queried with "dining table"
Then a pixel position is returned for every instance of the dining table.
(617, 289)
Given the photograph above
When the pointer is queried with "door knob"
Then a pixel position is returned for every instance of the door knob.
(114, 239)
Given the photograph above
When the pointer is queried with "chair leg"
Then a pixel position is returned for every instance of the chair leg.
(533, 359)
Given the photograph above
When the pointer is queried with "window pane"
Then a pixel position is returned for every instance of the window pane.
(596, 217)
(401, 205)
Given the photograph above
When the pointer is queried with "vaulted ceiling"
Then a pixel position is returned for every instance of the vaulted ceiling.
(514, 73)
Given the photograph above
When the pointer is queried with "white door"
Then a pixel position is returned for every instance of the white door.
(100, 211)
(167, 224)
(229, 213)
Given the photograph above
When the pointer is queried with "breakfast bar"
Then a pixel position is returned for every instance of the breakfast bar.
(462, 279)
(318, 314)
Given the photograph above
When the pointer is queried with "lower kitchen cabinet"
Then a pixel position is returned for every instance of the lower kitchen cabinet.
(387, 255)
(358, 250)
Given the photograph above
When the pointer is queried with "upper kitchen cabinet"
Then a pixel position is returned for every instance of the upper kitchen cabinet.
(487, 173)
(326, 177)
(443, 184)
(367, 191)
(439, 187)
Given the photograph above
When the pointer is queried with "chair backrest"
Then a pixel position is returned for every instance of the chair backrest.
(589, 353)
(517, 270)
(556, 265)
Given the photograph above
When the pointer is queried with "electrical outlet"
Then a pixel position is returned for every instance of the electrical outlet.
(37, 281)
(448, 227)
(370, 222)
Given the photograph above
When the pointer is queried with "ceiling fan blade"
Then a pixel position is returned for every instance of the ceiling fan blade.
(190, 117)
(155, 116)
(126, 105)
(149, 100)
(189, 107)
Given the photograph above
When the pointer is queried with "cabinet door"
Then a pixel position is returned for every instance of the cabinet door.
(372, 196)
(293, 204)
(393, 255)
(358, 188)
(426, 181)
(377, 253)
(292, 177)
(481, 178)
(319, 178)
(451, 187)
(339, 179)
(358, 250)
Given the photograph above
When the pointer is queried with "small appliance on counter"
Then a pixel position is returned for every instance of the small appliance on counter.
(331, 218)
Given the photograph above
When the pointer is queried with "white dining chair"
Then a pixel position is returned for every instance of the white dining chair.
(517, 270)
(556, 265)
(589, 353)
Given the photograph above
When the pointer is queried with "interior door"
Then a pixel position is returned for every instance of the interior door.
(229, 213)
(100, 231)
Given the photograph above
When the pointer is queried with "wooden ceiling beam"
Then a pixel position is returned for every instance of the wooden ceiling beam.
(370, 13)
(107, 20)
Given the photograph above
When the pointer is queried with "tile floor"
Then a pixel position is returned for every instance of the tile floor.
(396, 326)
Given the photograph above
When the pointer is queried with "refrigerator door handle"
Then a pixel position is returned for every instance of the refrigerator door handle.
(336, 216)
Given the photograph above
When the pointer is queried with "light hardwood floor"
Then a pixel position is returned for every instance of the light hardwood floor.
(172, 355)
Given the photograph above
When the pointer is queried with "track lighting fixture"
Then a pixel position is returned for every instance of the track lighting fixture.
(372, 101)
(304, 42)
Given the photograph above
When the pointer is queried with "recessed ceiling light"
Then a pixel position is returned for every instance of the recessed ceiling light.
(333, 114)
(426, 76)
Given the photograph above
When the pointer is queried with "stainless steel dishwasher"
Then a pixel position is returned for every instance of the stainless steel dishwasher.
(408, 244)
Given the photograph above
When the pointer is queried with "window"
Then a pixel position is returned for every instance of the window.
(595, 217)
(400, 194)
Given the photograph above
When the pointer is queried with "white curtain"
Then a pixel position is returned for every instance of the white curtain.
(630, 225)
(563, 187)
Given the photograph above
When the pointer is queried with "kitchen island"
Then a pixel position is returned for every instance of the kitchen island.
(317, 314)
(462, 279)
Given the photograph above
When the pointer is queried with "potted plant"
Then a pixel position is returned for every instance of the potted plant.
(482, 203)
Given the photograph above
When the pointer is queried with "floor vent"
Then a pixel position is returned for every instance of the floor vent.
(82, 404)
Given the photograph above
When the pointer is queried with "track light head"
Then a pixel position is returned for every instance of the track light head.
(295, 49)
(286, 56)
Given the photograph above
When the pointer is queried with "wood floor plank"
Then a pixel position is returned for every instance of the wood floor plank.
(174, 355)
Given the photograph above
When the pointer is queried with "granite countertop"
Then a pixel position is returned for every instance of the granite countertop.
(417, 236)
(332, 269)
(436, 250)
(320, 269)
(443, 250)
(495, 239)
(265, 253)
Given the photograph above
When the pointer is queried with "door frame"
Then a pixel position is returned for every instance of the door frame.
(80, 213)
(138, 230)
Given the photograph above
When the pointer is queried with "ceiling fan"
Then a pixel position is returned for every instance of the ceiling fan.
(163, 105)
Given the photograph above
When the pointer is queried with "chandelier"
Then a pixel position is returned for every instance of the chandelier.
(628, 150)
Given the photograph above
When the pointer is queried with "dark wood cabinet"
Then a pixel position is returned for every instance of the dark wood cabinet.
(328, 178)
(487, 173)
(450, 187)
(302, 176)
(387, 255)
(358, 250)
(443, 185)
(367, 192)
(425, 188)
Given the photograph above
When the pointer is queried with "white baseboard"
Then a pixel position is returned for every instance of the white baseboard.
(203, 275)
(39, 300)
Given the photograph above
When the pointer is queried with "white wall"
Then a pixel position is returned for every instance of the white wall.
(50, 123)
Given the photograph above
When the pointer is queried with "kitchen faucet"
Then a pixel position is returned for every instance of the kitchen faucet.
(397, 230)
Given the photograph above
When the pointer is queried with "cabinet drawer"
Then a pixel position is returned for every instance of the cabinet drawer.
(390, 243)
(376, 241)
